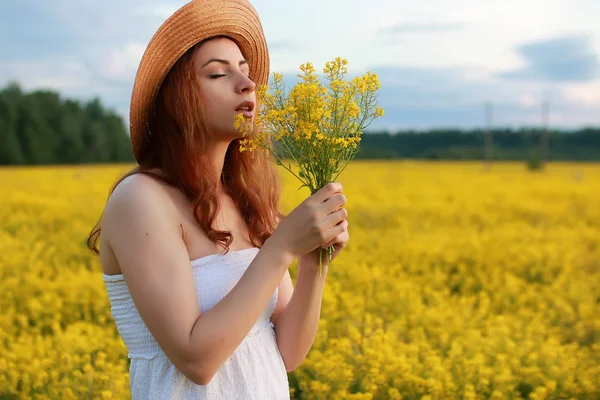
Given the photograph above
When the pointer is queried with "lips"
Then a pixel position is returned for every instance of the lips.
(246, 108)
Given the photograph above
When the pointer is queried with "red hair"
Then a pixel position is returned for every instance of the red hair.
(178, 136)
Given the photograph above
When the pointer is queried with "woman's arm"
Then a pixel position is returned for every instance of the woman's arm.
(296, 316)
(297, 322)
(145, 239)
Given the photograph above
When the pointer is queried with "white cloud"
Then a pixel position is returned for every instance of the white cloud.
(527, 100)
(584, 94)
(440, 65)
(60, 75)
(122, 63)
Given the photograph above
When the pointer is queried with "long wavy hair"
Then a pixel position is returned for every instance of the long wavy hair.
(178, 141)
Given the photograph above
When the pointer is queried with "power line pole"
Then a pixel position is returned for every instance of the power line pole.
(489, 140)
(544, 136)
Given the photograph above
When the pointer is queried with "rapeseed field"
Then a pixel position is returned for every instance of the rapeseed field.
(459, 282)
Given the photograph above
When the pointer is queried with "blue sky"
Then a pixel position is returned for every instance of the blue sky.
(438, 61)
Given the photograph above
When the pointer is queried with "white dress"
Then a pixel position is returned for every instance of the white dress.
(255, 370)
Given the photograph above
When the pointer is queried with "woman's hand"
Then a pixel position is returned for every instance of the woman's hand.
(311, 259)
(318, 221)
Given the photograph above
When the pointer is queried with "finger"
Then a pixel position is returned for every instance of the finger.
(327, 191)
(341, 238)
(331, 242)
(334, 203)
(335, 217)
(335, 231)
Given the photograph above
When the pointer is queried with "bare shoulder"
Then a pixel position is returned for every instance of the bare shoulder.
(139, 205)
(136, 193)
(137, 187)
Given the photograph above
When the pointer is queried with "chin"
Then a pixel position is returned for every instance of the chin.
(229, 135)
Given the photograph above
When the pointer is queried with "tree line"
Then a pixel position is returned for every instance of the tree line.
(506, 144)
(40, 127)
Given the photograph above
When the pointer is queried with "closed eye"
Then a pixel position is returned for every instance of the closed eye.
(214, 76)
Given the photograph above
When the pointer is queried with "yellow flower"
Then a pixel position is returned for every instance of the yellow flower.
(452, 301)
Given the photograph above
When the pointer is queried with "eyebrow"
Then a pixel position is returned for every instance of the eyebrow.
(220, 60)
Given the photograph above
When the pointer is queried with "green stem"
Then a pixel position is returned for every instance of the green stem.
(292, 172)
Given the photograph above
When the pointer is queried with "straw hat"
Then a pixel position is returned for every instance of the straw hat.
(192, 23)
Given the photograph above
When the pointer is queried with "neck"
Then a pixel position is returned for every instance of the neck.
(217, 155)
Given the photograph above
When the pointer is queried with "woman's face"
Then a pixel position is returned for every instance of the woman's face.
(225, 87)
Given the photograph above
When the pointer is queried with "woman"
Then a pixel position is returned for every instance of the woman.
(194, 258)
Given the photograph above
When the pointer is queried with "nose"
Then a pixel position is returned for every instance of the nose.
(246, 85)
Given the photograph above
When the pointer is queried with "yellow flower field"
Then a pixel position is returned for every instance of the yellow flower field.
(457, 283)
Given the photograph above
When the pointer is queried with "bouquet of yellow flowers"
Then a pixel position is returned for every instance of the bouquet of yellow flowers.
(315, 128)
